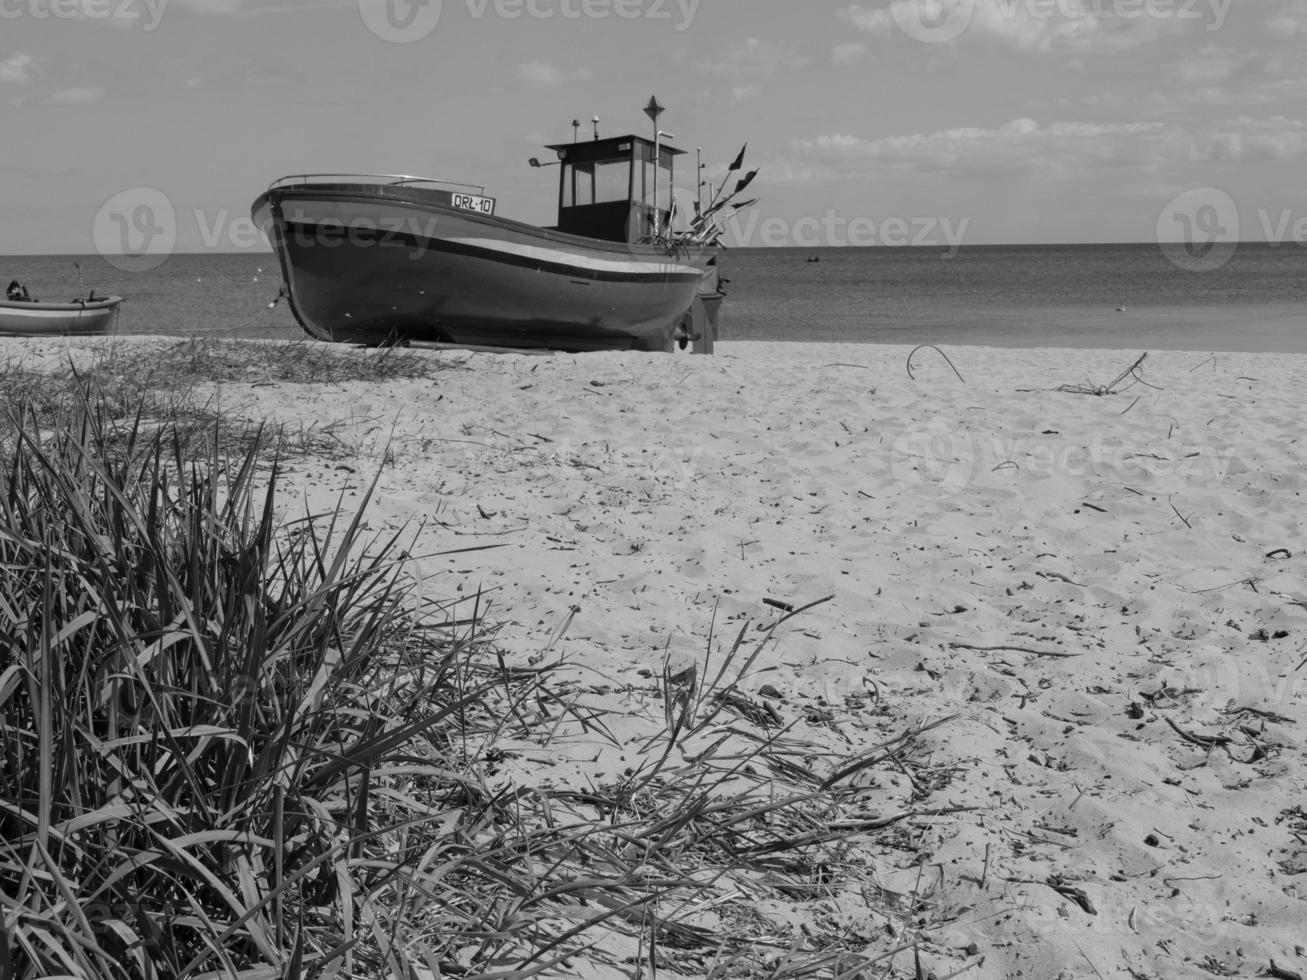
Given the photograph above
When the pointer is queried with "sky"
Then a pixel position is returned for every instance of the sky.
(933, 122)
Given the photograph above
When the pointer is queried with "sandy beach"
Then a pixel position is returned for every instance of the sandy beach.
(1102, 596)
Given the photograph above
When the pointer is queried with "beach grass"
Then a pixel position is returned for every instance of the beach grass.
(181, 382)
(234, 744)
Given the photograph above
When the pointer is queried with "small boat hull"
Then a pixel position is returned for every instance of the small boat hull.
(387, 263)
(39, 319)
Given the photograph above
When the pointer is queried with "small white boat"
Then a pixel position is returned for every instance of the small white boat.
(35, 318)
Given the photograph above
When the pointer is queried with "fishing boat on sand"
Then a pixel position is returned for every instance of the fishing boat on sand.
(394, 259)
(22, 316)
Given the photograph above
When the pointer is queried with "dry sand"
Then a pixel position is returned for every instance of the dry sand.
(1108, 592)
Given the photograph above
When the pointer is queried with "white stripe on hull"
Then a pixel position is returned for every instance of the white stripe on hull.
(335, 220)
(13, 313)
(581, 262)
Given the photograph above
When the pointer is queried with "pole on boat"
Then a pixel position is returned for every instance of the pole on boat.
(698, 178)
(653, 110)
(671, 191)
(576, 130)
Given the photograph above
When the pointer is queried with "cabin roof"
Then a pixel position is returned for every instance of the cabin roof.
(583, 150)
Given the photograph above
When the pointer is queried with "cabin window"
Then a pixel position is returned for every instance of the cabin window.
(600, 182)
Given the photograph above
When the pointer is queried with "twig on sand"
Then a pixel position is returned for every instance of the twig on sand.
(1206, 741)
(883, 751)
(1004, 646)
(963, 969)
(937, 351)
(1270, 716)
(1281, 973)
(1115, 386)
(1089, 961)
(1067, 890)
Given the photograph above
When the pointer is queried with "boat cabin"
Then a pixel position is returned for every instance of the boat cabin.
(606, 188)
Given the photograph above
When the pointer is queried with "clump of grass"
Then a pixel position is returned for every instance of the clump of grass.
(180, 364)
(231, 748)
(159, 381)
(193, 711)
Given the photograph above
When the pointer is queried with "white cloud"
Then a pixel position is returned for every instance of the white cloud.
(71, 95)
(1021, 146)
(246, 7)
(18, 69)
(1026, 150)
(1273, 138)
(541, 74)
(848, 54)
(1218, 76)
(874, 21)
(741, 92)
(1077, 25)
(1207, 66)
(213, 6)
(757, 58)
(1290, 20)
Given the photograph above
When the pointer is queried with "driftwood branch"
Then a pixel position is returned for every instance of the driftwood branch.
(937, 351)
(1115, 386)
(1005, 646)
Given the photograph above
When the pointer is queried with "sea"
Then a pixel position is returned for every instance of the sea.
(1133, 297)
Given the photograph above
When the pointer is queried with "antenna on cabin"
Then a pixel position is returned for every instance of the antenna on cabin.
(653, 110)
(698, 191)
(595, 120)
(576, 130)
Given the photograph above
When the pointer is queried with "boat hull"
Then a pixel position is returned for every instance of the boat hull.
(37, 319)
(378, 264)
